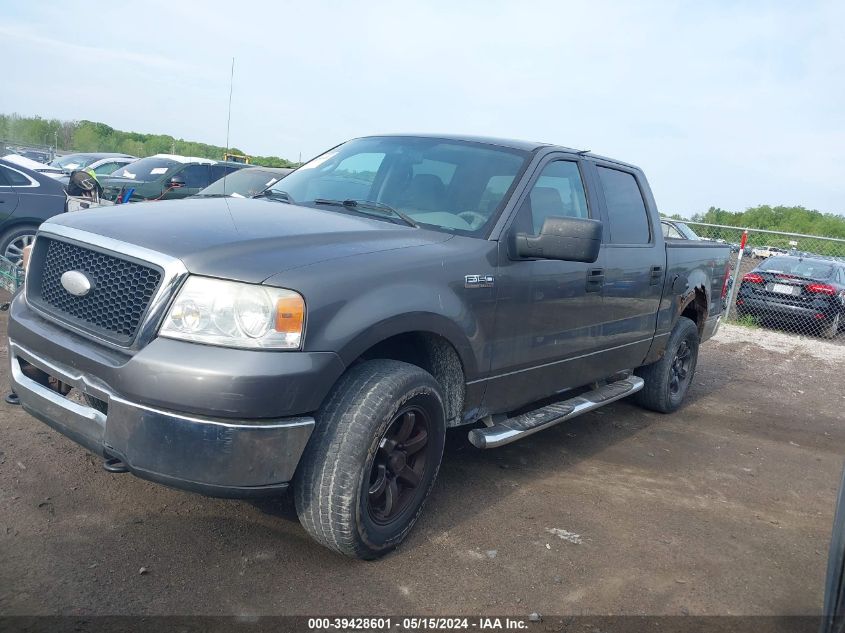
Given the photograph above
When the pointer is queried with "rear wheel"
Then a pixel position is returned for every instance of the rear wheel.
(831, 330)
(373, 458)
(667, 380)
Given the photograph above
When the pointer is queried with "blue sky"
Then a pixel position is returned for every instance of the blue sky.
(724, 104)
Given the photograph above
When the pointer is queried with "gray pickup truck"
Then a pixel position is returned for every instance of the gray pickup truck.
(325, 335)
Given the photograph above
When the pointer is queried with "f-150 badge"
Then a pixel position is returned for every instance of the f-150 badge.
(479, 281)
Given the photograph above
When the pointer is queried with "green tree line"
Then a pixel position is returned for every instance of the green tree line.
(779, 218)
(91, 136)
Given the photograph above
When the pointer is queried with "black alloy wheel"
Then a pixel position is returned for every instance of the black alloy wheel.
(399, 465)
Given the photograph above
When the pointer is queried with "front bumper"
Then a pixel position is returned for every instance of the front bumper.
(219, 457)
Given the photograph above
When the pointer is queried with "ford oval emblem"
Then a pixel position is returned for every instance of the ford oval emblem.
(76, 283)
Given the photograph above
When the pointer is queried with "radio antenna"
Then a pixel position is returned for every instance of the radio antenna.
(229, 117)
(228, 122)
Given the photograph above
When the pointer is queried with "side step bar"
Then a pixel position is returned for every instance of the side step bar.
(526, 424)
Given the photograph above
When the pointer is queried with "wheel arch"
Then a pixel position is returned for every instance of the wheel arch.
(694, 306)
(425, 343)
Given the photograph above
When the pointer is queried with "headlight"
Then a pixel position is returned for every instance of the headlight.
(234, 314)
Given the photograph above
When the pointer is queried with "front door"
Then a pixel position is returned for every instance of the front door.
(548, 312)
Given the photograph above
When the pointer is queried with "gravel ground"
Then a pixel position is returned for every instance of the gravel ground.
(722, 508)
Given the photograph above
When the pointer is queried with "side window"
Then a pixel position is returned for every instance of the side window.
(670, 231)
(361, 167)
(196, 176)
(625, 207)
(106, 168)
(4, 182)
(558, 192)
(17, 179)
(217, 172)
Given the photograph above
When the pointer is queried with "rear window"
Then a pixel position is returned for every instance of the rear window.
(625, 207)
(146, 169)
(809, 268)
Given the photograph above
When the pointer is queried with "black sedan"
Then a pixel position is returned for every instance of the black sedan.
(27, 198)
(798, 290)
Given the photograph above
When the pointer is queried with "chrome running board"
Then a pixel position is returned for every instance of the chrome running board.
(526, 424)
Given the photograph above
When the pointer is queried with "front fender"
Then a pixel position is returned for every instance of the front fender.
(386, 311)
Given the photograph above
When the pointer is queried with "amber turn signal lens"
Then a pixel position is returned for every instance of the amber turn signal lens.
(290, 314)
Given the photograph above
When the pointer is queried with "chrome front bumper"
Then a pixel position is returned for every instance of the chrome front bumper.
(212, 456)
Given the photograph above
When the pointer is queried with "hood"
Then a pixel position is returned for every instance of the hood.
(245, 239)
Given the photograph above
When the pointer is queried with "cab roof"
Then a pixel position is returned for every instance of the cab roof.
(526, 146)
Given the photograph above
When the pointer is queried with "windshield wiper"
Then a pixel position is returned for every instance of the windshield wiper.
(361, 206)
(211, 195)
(278, 196)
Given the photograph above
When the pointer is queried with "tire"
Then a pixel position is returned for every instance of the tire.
(831, 330)
(666, 383)
(348, 474)
(13, 240)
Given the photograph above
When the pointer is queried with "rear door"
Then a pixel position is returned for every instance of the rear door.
(548, 312)
(634, 259)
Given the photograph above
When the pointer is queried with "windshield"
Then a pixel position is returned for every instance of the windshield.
(243, 182)
(810, 268)
(74, 161)
(151, 168)
(448, 185)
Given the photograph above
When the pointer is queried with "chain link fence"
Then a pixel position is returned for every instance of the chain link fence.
(784, 281)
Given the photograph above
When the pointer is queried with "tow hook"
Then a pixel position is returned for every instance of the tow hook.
(114, 465)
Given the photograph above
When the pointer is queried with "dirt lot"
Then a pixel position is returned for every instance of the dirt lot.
(722, 508)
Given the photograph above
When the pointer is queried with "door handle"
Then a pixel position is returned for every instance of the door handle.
(595, 279)
(656, 275)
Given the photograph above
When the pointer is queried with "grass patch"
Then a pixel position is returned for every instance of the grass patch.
(749, 321)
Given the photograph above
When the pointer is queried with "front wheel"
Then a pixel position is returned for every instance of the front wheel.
(372, 459)
(667, 380)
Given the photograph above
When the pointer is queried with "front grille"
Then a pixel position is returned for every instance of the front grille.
(121, 289)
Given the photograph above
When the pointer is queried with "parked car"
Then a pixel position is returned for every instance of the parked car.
(762, 252)
(43, 156)
(101, 163)
(324, 336)
(244, 183)
(164, 177)
(675, 230)
(27, 198)
(32, 165)
(797, 290)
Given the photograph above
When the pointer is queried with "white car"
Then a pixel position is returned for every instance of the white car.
(101, 163)
(764, 252)
(34, 165)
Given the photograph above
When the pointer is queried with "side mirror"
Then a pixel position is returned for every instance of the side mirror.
(176, 181)
(567, 239)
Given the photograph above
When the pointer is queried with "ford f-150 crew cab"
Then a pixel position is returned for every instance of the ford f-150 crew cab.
(325, 335)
